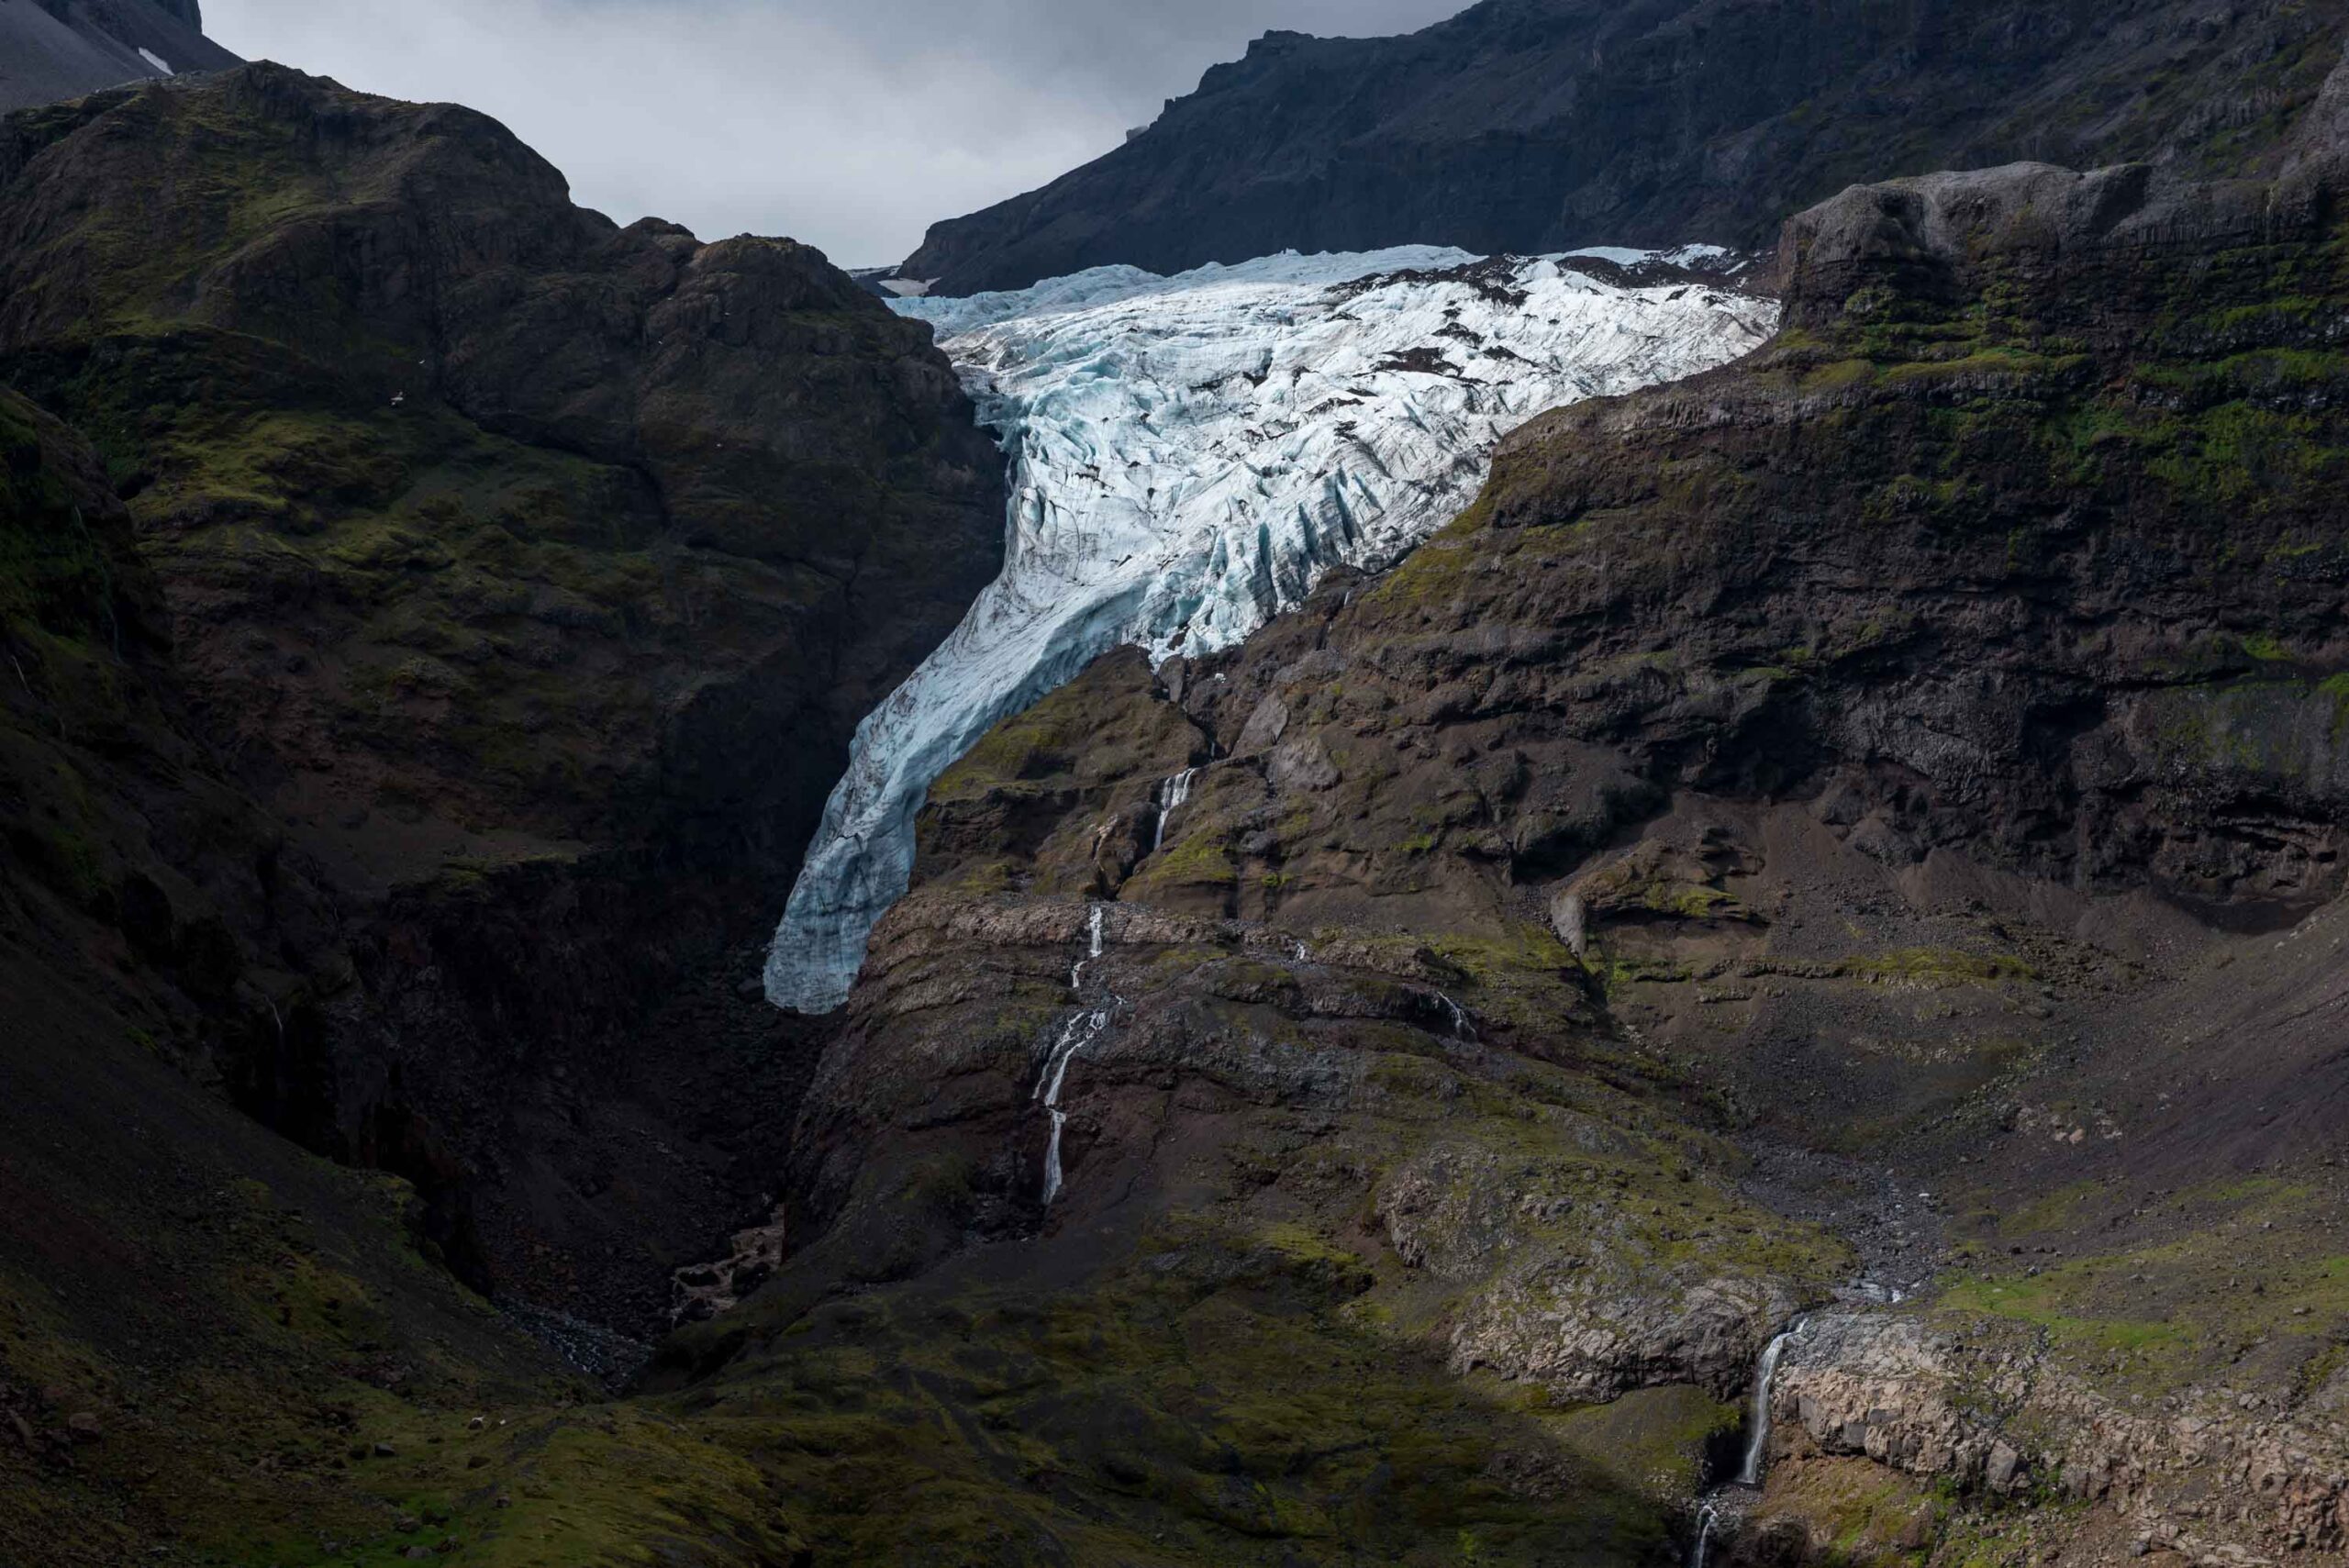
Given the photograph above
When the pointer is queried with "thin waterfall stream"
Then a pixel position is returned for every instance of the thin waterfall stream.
(1172, 794)
(1755, 1463)
(1081, 1032)
(1765, 1378)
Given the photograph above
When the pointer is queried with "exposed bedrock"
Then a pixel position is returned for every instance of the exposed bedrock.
(1868, 818)
(531, 573)
(2001, 1411)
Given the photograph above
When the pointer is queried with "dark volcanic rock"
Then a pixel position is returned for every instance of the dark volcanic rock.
(54, 49)
(1543, 125)
(534, 571)
(1913, 756)
(177, 1237)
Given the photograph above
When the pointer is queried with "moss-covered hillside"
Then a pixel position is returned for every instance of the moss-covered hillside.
(531, 573)
(1854, 840)
(1856, 834)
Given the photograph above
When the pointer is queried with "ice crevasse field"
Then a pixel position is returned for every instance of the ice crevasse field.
(1189, 454)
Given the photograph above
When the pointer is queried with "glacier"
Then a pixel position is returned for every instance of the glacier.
(1189, 454)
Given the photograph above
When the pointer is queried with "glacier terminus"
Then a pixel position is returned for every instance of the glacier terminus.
(1189, 454)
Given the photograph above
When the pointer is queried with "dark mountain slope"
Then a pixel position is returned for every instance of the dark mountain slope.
(54, 49)
(1873, 814)
(185, 1298)
(530, 574)
(1538, 125)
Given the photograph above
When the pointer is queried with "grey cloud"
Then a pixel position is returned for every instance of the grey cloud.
(851, 123)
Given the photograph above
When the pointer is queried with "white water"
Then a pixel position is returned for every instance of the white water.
(1757, 1446)
(1463, 1026)
(1173, 795)
(1765, 1378)
(1189, 455)
(1707, 1518)
(1082, 1031)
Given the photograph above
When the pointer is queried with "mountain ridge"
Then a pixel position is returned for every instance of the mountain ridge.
(1538, 126)
(1836, 865)
(56, 49)
(1907, 763)
(525, 565)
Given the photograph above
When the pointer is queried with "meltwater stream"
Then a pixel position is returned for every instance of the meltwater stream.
(1765, 1378)
(1081, 1032)
(1757, 1444)
(1173, 795)
(1189, 455)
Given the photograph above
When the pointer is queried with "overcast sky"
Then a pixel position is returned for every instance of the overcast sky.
(849, 124)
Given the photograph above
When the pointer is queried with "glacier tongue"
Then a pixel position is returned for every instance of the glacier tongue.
(1189, 454)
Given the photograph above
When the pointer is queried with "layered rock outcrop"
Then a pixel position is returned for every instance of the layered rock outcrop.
(1999, 1412)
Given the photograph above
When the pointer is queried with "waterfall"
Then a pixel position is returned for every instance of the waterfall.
(1707, 1518)
(1082, 1031)
(1709, 1512)
(1171, 795)
(1757, 1443)
(1463, 1026)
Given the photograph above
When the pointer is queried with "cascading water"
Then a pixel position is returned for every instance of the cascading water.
(1463, 1026)
(1709, 1512)
(1765, 1377)
(1093, 930)
(1707, 1519)
(1082, 1031)
(1190, 455)
(1173, 795)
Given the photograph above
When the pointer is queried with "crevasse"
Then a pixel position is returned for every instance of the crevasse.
(1188, 455)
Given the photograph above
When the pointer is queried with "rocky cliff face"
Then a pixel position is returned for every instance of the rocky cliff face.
(530, 574)
(1865, 820)
(1531, 126)
(1857, 833)
(194, 1313)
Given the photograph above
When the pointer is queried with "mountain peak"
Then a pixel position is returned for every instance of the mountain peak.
(68, 49)
(1539, 125)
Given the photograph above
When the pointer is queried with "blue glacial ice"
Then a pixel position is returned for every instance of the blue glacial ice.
(1188, 455)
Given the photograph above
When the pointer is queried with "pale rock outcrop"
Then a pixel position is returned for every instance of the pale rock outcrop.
(1997, 1412)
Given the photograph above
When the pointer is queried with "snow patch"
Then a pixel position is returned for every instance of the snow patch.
(1190, 454)
(151, 58)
